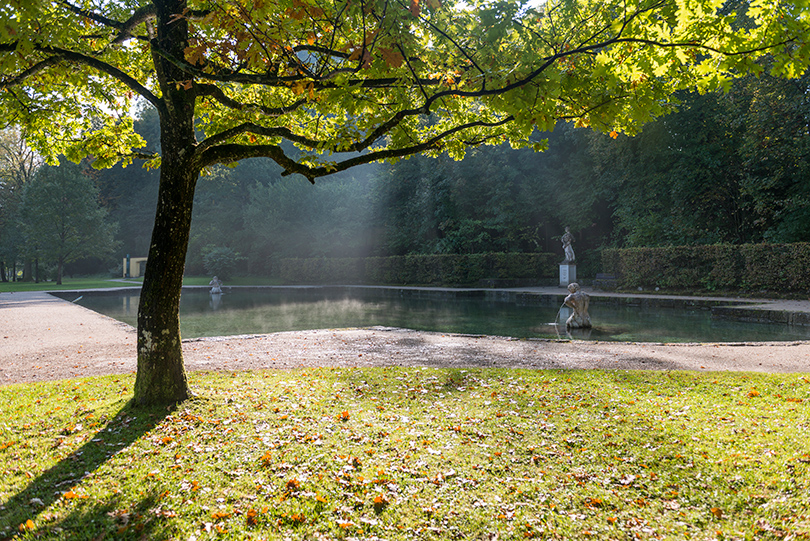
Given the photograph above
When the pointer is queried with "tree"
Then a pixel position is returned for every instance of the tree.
(775, 154)
(62, 220)
(680, 181)
(381, 79)
(17, 166)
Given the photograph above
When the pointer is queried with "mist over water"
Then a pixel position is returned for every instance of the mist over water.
(268, 310)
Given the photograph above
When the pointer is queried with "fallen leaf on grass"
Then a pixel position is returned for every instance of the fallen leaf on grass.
(380, 502)
(70, 495)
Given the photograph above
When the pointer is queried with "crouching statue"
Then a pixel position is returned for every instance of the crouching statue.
(578, 301)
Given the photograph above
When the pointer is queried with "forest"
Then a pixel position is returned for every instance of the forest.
(727, 168)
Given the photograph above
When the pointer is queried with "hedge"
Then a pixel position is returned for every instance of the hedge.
(747, 267)
(455, 269)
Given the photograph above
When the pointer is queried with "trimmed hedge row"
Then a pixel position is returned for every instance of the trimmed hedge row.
(748, 267)
(451, 269)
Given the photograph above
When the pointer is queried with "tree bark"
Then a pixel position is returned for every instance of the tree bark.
(27, 274)
(161, 378)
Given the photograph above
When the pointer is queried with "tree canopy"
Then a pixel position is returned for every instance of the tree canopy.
(349, 82)
(386, 78)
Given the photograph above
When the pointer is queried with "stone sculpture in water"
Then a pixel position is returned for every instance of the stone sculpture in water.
(578, 301)
(216, 285)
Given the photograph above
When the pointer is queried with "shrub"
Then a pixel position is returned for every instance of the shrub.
(747, 267)
(220, 261)
(421, 269)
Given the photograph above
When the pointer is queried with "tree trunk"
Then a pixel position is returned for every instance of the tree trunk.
(161, 377)
(27, 274)
(59, 264)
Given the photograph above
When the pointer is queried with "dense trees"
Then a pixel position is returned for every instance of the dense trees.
(61, 218)
(17, 166)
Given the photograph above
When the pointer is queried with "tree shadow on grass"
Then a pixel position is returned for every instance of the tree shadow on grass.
(124, 429)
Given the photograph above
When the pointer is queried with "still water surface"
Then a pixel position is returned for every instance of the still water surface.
(258, 311)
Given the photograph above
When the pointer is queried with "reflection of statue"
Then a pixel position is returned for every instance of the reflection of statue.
(567, 239)
(216, 285)
(578, 301)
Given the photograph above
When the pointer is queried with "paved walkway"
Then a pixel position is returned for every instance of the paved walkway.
(45, 335)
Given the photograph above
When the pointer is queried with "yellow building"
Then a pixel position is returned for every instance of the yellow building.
(136, 266)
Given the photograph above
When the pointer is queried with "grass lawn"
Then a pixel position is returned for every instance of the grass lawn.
(104, 282)
(67, 284)
(411, 454)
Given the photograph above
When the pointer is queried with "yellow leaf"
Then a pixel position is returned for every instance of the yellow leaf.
(717, 512)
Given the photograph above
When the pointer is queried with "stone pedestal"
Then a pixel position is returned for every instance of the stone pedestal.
(568, 274)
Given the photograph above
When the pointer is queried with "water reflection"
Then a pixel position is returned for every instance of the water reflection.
(253, 311)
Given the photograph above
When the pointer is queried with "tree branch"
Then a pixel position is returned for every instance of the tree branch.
(59, 55)
(249, 127)
(219, 95)
(234, 152)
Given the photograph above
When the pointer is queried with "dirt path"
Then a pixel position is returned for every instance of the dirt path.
(45, 338)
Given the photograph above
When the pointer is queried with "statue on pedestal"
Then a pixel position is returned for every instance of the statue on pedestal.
(578, 301)
(567, 239)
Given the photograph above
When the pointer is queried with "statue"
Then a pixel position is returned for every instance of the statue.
(567, 239)
(216, 284)
(578, 301)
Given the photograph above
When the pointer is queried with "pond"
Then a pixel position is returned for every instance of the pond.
(275, 309)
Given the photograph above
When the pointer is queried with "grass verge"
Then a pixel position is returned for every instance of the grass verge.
(67, 284)
(104, 282)
(411, 454)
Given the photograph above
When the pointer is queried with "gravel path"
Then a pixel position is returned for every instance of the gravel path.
(45, 338)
